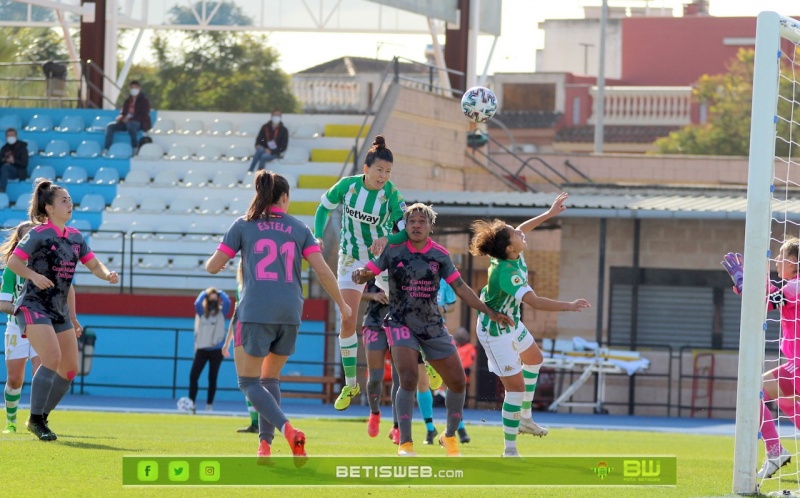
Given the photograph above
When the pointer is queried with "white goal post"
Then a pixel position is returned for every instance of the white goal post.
(771, 29)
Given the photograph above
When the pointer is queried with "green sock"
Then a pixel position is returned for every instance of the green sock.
(12, 401)
(530, 374)
(253, 413)
(348, 346)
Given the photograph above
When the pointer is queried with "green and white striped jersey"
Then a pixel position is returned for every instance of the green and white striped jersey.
(10, 289)
(507, 284)
(367, 214)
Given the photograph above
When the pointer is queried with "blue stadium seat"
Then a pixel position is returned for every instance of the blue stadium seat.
(4, 200)
(10, 121)
(100, 123)
(57, 148)
(33, 147)
(40, 123)
(74, 174)
(88, 149)
(43, 171)
(12, 222)
(120, 150)
(22, 202)
(92, 203)
(106, 176)
(71, 124)
(82, 225)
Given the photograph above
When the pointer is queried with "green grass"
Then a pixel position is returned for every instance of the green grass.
(86, 459)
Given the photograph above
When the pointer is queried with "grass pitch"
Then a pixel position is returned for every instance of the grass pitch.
(86, 459)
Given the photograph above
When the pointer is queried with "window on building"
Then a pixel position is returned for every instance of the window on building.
(529, 97)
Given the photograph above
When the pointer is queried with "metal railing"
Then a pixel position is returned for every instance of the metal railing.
(27, 84)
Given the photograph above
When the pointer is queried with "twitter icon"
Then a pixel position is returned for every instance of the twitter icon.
(178, 471)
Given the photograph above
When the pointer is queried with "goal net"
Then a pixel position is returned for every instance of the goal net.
(773, 217)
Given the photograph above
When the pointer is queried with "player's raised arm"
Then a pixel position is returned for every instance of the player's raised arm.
(546, 304)
(557, 208)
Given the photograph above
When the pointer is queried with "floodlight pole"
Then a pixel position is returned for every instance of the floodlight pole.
(599, 104)
(472, 44)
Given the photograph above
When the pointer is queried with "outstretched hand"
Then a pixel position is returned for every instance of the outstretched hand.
(558, 206)
(578, 305)
(734, 265)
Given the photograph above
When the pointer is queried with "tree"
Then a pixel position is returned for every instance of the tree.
(220, 71)
(728, 98)
(228, 14)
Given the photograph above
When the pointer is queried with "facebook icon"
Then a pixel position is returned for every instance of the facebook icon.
(147, 470)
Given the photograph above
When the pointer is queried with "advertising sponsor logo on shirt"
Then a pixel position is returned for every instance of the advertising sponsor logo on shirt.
(361, 216)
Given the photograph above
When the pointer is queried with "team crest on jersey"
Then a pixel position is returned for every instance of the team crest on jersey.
(516, 280)
(76, 248)
(25, 238)
(352, 189)
(434, 266)
(382, 198)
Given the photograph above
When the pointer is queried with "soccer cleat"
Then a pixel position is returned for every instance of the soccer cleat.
(394, 435)
(463, 436)
(44, 421)
(772, 464)
(264, 449)
(449, 444)
(249, 428)
(434, 378)
(406, 449)
(297, 441)
(40, 430)
(11, 428)
(528, 426)
(343, 401)
(374, 424)
(429, 437)
(510, 453)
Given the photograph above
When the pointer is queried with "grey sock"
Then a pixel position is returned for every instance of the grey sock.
(405, 408)
(395, 387)
(41, 385)
(454, 402)
(375, 389)
(266, 431)
(262, 400)
(57, 393)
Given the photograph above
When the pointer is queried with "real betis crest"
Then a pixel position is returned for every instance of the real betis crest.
(516, 280)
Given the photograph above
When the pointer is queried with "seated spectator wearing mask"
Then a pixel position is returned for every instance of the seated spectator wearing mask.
(271, 142)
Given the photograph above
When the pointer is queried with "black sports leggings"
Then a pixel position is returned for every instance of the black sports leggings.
(214, 358)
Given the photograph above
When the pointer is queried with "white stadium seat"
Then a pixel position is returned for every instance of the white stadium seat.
(307, 130)
(166, 178)
(153, 262)
(212, 205)
(111, 230)
(238, 153)
(225, 179)
(239, 205)
(191, 127)
(137, 178)
(140, 231)
(195, 179)
(163, 126)
(295, 155)
(182, 206)
(179, 153)
(185, 263)
(220, 128)
(123, 204)
(208, 153)
(150, 152)
(169, 231)
(153, 205)
(251, 128)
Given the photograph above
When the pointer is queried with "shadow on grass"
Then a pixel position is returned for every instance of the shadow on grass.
(95, 446)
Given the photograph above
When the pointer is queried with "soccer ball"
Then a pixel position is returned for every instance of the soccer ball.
(479, 104)
(185, 404)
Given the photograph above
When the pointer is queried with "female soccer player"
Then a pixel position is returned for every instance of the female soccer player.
(46, 258)
(272, 243)
(511, 352)
(371, 205)
(414, 322)
(780, 383)
(376, 345)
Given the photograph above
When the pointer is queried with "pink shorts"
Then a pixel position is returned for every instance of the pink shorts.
(789, 378)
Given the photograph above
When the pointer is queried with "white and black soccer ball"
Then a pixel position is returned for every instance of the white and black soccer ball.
(185, 404)
(479, 104)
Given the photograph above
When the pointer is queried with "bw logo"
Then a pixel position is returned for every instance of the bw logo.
(345, 352)
(602, 470)
(508, 368)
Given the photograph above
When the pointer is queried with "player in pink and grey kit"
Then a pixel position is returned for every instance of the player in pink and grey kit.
(46, 258)
(273, 244)
(414, 323)
(781, 383)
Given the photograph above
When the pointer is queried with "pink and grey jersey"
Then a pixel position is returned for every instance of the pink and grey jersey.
(414, 285)
(786, 298)
(376, 310)
(272, 250)
(53, 253)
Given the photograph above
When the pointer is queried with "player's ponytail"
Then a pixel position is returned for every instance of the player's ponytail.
(44, 192)
(379, 151)
(14, 236)
(270, 187)
(491, 239)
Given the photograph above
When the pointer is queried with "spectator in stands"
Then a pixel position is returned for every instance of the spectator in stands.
(466, 350)
(133, 117)
(13, 159)
(211, 307)
(271, 142)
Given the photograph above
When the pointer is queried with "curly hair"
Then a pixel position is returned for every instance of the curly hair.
(491, 239)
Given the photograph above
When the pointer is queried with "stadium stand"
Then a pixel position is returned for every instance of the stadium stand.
(189, 196)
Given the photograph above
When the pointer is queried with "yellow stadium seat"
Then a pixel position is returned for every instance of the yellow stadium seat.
(301, 208)
(345, 130)
(329, 155)
(316, 181)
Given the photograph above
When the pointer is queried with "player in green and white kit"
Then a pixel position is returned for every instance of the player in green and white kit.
(371, 204)
(511, 352)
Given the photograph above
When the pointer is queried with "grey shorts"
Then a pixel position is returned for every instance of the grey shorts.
(440, 346)
(260, 339)
(27, 316)
(375, 339)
